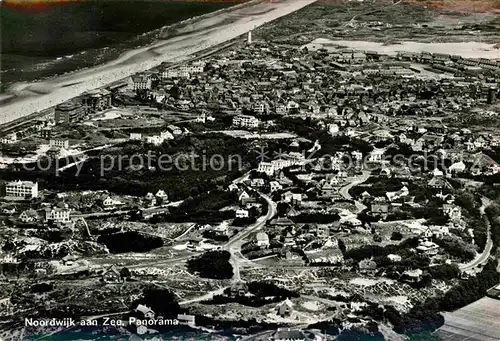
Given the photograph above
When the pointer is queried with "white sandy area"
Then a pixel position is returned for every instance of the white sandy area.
(233, 23)
(312, 305)
(368, 282)
(468, 49)
(401, 300)
(109, 115)
(42, 150)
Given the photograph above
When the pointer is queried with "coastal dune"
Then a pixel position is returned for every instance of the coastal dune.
(202, 34)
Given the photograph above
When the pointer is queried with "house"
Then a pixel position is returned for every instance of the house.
(140, 82)
(232, 187)
(412, 276)
(377, 155)
(379, 206)
(59, 143)
(243, 196)
(288, 335)
(186, 319)
(239, 288)
(275, 186)
(246, 121)
(285, 308)
(367, 265)
(439, 183)
(452, 211)
(392, 196)
(146, 311)
(241, 213)
(150, 199)
(266, 167)
(282, 221)
(333, 128)
(57, 215)
(457, 167)
(8, 139)
(110, 203)
(135, 136)
(174, 129)
(259, 182)
(262, 239)
(166, 135)
(29, 216)
(292, 197)
(111, 275)
(394, 258)
(436, 231)
(5, 304)
(161, 195)
(428, 248)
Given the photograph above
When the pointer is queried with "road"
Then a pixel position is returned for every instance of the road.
(481, 258)
(358, 179)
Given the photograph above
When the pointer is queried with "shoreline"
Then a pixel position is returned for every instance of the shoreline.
(223, 25)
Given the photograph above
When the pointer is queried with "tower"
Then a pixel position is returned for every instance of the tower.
(491, 95)
(249, 38)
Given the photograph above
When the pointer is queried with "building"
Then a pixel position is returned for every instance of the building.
(111, 275)
(241, 214)
(22, 189)
(146, 311)
(29, 216)
(239, 288)
(68, 112)
(8, 139)
(96, 100)
(275, 186)
(245, 121)
(452, 211)
(57, 215)
(174, 129)
(266, 167)
(195, 67)
(58, 143)
(135, 136)
(262, 239)
(367, 265)
(186, 319)
(288, 335)
(140, 82)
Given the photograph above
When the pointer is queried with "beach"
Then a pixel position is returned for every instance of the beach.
(195, 36)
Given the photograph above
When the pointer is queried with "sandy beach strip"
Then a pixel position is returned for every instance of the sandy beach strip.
(200, 35)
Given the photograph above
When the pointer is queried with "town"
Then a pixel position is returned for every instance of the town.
(290, 192)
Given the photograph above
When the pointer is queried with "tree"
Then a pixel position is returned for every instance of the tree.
(125, 273)
(396, 235)
(212, 264)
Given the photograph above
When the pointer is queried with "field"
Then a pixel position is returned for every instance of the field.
(477, 321)
(387, 21)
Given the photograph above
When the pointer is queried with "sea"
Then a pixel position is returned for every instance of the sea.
(59, 37)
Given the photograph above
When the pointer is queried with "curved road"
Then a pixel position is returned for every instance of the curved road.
(481, 258)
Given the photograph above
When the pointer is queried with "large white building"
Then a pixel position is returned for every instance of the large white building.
(22, 189)
(140, 82)
(195, 67)
(266, 167)
(59, 215)
(8, 139)
(245, 121)
(59, 143)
